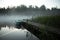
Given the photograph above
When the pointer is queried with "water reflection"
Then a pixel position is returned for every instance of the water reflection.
(29, 36)
(11, 33)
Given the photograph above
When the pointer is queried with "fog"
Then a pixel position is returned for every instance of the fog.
(12, 19)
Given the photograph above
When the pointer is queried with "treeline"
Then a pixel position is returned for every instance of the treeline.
(24, 8)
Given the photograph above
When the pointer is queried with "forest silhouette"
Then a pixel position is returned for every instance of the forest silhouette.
(23, 8)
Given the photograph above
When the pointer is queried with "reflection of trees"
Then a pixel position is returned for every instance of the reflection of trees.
(6, 24)
(0, 28)
(29, 36)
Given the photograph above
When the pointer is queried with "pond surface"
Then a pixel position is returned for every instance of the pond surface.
(12, 33)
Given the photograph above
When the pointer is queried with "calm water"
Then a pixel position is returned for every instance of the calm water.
(12, 33)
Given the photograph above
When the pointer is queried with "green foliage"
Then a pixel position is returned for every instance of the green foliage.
(48, 20)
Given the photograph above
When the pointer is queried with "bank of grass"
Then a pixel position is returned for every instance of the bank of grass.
(48, 20)
(53, 21)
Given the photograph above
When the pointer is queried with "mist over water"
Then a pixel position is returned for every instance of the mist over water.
(9, 32)
(12, 19)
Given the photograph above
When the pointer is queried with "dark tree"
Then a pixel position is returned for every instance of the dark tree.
(43, 8)
(30, 6)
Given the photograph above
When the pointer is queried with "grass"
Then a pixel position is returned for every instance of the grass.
(53, 21)
(48, 20)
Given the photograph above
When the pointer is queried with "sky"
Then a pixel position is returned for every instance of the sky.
(47, 3)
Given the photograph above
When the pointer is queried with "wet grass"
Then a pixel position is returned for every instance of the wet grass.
(48, 20)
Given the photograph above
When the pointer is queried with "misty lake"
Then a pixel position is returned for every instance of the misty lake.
(9, 32)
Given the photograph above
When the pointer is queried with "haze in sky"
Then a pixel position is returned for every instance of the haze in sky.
(47, 3)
